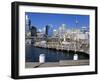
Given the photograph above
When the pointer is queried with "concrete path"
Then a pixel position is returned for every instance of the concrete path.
(57, 64)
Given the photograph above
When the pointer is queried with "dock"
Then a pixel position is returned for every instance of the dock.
(69, 47)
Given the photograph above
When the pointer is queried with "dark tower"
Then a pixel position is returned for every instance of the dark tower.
(29, 24)
(33, 31)
(47, 29)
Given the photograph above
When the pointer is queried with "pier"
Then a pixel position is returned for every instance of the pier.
(69, 46)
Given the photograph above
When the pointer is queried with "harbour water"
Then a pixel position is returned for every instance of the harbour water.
(32, 54)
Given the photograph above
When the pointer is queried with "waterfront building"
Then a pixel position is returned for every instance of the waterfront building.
(29, 28)
(47, 29)
(84, 29)
(62, 30)
(28, 41)
(28, 34)
(33, 31)
(55, 33)
(40, 35)
(27, 23)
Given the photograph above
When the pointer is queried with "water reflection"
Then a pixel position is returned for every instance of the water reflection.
(32, 54)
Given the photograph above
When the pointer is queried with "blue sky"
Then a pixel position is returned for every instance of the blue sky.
(40, 20)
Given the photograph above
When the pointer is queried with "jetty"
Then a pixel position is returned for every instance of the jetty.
(64, 46)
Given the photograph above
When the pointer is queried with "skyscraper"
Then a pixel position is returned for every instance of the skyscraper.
(33, 31)
(47, 29)
(27, 23)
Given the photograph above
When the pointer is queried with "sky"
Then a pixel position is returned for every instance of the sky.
(40, 20)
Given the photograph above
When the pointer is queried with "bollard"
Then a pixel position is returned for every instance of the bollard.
(42, 58)
(75, 57)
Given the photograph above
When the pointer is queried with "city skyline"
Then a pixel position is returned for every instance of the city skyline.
(40, 20)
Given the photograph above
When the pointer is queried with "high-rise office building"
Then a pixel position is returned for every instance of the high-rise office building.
(27, 23)
(47, 29)
(33, 31)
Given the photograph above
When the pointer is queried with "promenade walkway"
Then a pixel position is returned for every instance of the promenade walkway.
(57, 64)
